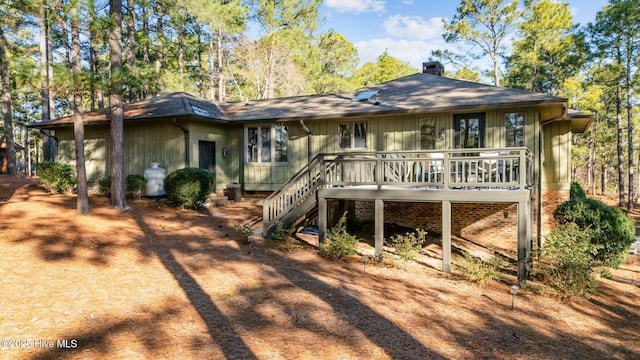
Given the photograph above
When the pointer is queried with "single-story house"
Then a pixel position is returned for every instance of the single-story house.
(423, 150)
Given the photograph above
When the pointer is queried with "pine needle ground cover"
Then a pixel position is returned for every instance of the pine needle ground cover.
(162, 282)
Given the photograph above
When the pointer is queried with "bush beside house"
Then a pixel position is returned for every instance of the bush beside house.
(56, 177)
(590, 235)
(188, 187)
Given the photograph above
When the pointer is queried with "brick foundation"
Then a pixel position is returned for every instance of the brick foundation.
(494, 222)
(550, 201)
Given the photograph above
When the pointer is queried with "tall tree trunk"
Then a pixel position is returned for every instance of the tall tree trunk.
(603, 179)
(592, 167)
(160, 42)
(202, 73)
(181, 62)
(145, 32)
(212, 65)
(78, 118)
(621, 188)
(93, 61)
(6, 106)
(630, 134)
(221, 90)
(44, 64)
(116, 104)
(45, 82)
(65, 35)
(25, 150)
(28, 145)
(131, 45)
(93, 88)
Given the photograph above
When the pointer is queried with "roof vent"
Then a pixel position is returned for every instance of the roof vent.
(433, 68)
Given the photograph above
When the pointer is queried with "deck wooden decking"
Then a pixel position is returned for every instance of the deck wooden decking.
(479, 176)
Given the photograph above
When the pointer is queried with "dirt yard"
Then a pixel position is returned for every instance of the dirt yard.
(157, 282)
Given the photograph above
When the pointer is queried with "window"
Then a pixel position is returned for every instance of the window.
(353, 135)
(514, 126)
(266, 144)
(469, 130)
(281, 143)
(428, 134)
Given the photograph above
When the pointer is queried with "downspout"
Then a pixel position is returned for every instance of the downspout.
(309, 141)
(563, 116)
(186, 141)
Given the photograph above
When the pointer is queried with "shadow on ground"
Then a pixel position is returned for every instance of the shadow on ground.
(259, 301)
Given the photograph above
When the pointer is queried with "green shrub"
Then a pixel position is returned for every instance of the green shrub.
(280, 233)
(576, 191)
(188, 187)
(339, 243)
(609, 229)
(245, 231)
(136, 184)
(478, 270)
(104, 186)
(56, 177)
(567, 261)
(408, 246)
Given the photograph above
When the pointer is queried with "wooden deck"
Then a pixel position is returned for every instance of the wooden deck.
(480, 176)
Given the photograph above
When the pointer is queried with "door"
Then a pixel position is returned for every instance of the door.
(469, 130)
(469, 134)
(207, 156)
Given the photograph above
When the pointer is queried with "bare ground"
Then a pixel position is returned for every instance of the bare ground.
(157, 282)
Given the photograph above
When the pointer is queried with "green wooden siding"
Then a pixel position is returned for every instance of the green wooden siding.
(385, 133)
(161, 141)
(226, 137)
(156, 141)
(153, 142)
(95, 151)
(556, 174)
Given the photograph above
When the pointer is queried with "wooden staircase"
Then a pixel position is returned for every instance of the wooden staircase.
(296, 201)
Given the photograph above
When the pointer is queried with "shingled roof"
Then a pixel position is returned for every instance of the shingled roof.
(178, 104)
(416, 93)
(409, 94)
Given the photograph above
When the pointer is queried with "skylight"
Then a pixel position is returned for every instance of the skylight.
(199, 111)
(365, 95)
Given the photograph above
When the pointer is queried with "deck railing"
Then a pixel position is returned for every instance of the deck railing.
(460, 169)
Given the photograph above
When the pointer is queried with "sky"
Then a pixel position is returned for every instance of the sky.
(409, 29)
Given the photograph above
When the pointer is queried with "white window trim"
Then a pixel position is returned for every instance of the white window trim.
(272, 131)
(439, 133)
(353, 135)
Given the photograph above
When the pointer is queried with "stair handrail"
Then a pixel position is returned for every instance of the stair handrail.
(300, 187)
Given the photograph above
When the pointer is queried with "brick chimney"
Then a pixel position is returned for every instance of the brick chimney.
(433, 68)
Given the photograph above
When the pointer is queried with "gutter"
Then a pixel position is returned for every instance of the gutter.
(186, 141)
(309, 141)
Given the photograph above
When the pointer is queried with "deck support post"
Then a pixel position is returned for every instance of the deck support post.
(322, 220)
(529, 236)
(379, 228)
(524, 241)
(446, 236)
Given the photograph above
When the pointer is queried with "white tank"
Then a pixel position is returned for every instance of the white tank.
(155, 179)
